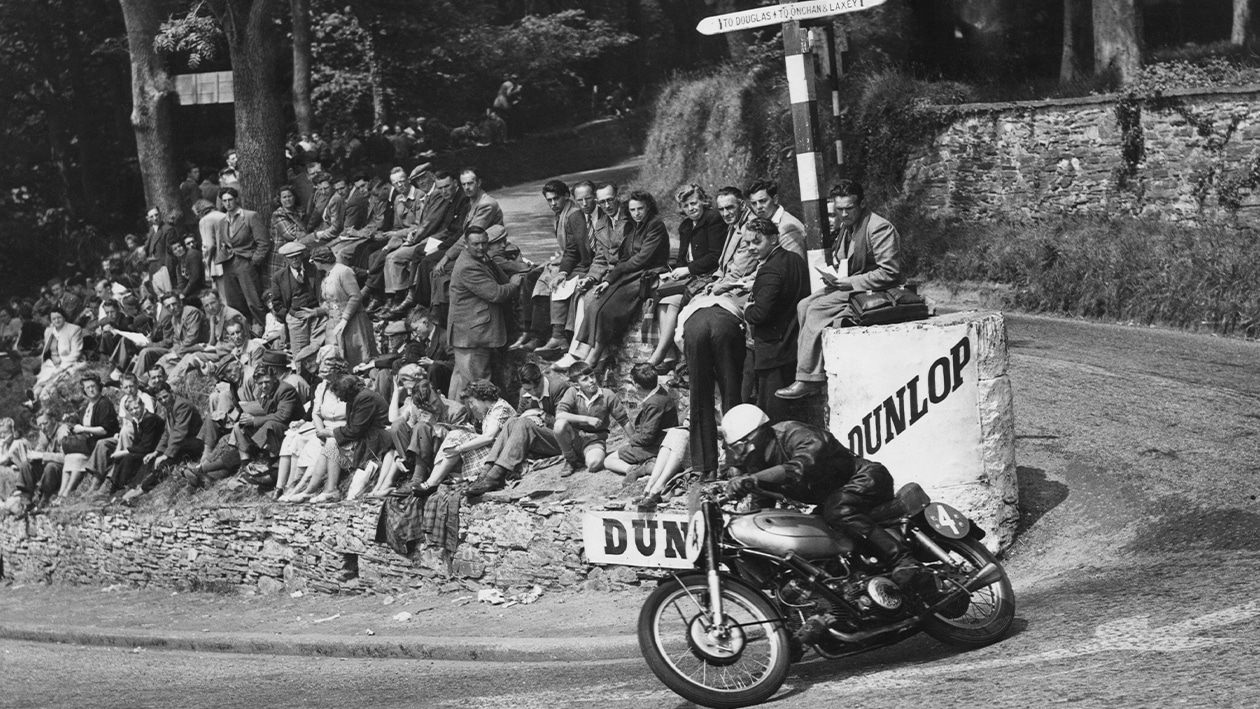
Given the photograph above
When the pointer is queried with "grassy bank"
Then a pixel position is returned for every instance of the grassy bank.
(1142, 271)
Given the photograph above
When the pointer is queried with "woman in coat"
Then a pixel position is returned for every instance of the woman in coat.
(349, 328)
(645, 247)
(63, 351)
(288, 223)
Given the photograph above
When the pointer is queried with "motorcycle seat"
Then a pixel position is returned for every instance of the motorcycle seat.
(910, 500)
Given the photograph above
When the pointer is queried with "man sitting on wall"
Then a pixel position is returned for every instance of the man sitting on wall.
(867, 256)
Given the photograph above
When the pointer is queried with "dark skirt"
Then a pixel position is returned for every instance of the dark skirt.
(617, 308)
(407, 521)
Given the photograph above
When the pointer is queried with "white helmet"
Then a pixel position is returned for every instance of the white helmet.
(741, 421)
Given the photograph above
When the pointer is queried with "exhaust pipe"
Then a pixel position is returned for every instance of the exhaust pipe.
(991, 573)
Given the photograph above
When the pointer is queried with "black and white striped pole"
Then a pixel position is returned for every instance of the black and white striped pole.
(802, 77)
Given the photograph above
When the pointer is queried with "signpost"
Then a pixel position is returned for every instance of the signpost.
(807, 53)
(780, 14)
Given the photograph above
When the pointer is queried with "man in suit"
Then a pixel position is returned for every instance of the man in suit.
(295, 295)
(261, 434)
(179, 329)
(357, 202)
(869, 248)
(480, 294)
(243, 249)
(782, 281)
(556, 289)
(763, 198)
(333, 216)
(421, 225)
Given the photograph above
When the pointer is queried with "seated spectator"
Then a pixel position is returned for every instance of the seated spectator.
(583, 418)
(99, 420)
(189, 271)
(671, 459)
(361, 440)
(420, 417)
(180, 328)
(180, 423)
(40, 469)
(288, 226)
(12, 452)
(619, 296)
(62, 354)
(657, 412)
(130, 459)
(301, 467)
(424, 345)
(102, 457)
(530, 435)
(466, 448)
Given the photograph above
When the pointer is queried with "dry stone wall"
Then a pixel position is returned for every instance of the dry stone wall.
(1190, 156)
(284, 548)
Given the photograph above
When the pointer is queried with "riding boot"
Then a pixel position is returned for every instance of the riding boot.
(894, 555)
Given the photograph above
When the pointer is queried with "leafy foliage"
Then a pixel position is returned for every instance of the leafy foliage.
(197, 37)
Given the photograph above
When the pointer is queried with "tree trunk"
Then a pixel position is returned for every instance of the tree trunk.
(1117, 38)
(151, 96)
(302, 65)
(253, 47)
(1242, 22)
(376, 77)
(1067, 61)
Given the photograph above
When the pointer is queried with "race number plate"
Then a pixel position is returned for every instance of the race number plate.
(946, 520)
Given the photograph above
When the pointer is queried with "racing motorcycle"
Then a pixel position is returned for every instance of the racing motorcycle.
(772, 583)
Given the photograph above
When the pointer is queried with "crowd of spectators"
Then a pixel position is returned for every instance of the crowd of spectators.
(354, 345)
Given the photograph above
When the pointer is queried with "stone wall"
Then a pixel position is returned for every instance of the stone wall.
(276, 548)
(1190, 156)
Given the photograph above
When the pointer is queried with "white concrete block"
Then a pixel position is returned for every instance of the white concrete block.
(931, 401)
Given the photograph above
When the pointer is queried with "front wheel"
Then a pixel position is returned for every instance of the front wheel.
(742, 662)
(988, 614)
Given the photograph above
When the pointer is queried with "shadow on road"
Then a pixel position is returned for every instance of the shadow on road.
(1037, 495)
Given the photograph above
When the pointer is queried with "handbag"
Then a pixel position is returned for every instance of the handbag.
(886, 306)
(77, 443)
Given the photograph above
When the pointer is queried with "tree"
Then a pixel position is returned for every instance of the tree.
(253, 43)
(1242, 22)
(1067, 61)
(302, 111)
(1117, 38)
(151, 93)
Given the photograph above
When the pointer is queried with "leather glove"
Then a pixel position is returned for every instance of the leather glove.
(742, 485)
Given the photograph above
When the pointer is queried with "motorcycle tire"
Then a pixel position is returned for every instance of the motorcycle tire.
(746, 668)
(991, 609)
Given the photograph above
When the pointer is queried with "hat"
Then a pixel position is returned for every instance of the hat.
(292, 248)
(397, 327)
(274, 358)
(496, 232)
(419, 170)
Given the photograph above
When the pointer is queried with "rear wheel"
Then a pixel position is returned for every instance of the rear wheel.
(987, 615)
(740, 663)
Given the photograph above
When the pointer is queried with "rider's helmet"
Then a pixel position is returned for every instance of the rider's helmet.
(741, 421)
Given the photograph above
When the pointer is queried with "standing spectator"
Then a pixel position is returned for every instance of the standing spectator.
(782, 281)
(288, 225)
(480, 292)
(244, 244)
(295, 294)
(209, 186)
(349, 328)
(157, 247)
(209, 225)
(189, 193)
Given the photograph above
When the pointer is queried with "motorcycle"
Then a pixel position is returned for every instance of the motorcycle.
(770, 584)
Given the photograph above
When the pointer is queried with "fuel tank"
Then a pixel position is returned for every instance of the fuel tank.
(780, 531)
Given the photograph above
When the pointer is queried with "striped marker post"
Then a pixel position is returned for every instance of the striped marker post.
(802, 76)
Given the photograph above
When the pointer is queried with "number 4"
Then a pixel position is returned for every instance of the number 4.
(945, 519)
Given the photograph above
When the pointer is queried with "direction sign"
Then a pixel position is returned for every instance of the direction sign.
(778, 14)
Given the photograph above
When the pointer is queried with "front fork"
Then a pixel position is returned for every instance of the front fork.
(711, 565)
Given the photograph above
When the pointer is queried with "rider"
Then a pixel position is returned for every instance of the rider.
(809, 465)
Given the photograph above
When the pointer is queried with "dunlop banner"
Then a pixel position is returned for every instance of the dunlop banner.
(653, 540)
(907, 396)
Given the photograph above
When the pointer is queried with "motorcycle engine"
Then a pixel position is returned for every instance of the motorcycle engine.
(876, 595)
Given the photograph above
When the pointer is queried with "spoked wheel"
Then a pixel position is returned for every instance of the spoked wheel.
(742, 662)
(988, 614)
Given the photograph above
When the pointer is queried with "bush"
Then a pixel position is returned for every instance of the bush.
(1128, 270)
